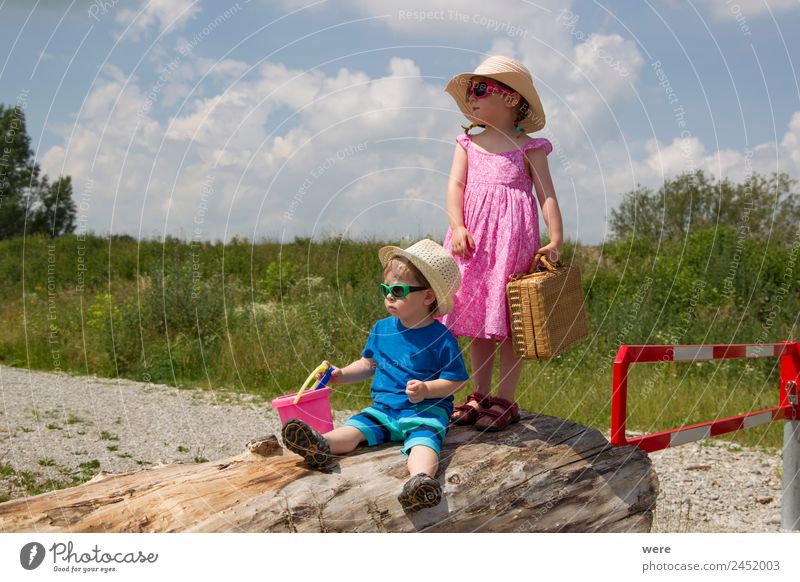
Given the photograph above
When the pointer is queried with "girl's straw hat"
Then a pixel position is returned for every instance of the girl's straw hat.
(509, 72)
(435, 264)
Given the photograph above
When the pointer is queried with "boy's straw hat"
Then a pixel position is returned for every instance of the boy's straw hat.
(509, 72)
(435, 264)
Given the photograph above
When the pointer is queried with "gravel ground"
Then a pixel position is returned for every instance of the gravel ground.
(716, 486)
(64, 429)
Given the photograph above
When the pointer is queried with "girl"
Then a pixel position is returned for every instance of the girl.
(494, 223)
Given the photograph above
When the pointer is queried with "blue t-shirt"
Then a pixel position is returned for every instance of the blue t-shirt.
(405, 353)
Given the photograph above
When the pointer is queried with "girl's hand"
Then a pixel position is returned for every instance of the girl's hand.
(417, 391)
(552, 251)
(461, 242)
(336, 375)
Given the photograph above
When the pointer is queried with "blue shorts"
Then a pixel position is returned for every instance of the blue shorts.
(425, 426)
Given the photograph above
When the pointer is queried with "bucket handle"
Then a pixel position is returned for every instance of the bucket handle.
(323, 367)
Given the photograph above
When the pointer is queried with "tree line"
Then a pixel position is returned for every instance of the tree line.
(29, 202)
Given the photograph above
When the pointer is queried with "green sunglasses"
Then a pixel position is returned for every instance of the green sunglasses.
(399, 291)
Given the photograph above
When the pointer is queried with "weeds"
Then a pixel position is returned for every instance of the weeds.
(162, 312)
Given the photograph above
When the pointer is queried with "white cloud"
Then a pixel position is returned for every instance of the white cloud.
(601, 80)
(393, 187)
(580, 76)
(185, 75)
(109, 152)
(366, 153)
(791, 141)
(682, 155)
(165, 14)
(617, 166)
(689, 154)
(335, 142)
(213, 119)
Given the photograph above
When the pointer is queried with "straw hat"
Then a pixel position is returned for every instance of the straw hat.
(509, 72)
(435, 264)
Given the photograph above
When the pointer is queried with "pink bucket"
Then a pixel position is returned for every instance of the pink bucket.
(314, 408)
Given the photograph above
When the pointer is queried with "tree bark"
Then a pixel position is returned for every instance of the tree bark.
(544, 474)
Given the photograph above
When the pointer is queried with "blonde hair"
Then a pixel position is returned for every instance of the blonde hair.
(402, 266)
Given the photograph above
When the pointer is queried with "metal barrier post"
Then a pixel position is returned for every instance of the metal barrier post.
(788, 409)
(790, 494)
(788, 352)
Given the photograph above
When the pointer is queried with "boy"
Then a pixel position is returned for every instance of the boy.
(417, 367)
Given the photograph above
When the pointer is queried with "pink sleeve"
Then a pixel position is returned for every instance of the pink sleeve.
(463, 139)
(539, 142)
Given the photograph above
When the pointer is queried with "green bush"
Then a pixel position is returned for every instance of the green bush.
(256, 317)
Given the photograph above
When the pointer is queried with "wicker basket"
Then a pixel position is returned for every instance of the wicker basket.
(546, 309)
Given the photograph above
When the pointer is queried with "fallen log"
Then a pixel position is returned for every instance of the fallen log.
(544, 474)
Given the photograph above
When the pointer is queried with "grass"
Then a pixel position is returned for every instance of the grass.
(87, 470)
(29, 483)
(162, 312)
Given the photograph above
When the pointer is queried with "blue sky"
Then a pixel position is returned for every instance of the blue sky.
(287, 118)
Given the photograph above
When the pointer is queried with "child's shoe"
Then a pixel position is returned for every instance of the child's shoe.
(466, 413)
(493, 420)
(420, 491)
(303, 440)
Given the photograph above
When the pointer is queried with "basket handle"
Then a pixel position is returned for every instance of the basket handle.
(321, 368)
(540, 257)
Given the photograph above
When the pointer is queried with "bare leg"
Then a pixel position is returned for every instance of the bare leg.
(344, 439)
(510, 370)
(482, 354)
(422, 492)
(422, 459)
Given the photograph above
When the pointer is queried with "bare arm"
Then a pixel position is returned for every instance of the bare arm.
(356, 372)
(461, 242)
(455, 188)
(441, 388)
(417, 390)
(546, 194)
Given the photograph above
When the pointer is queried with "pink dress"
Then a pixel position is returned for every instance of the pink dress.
(500, 211)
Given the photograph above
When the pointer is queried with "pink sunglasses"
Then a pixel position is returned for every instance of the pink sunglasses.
(483, 89)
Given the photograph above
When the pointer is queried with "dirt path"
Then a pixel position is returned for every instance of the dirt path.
(58, 430)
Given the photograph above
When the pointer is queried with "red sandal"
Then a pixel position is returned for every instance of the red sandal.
(495, 420)
(469, 414)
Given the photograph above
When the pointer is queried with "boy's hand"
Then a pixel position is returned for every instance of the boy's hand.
(417, 391)
(336, 375)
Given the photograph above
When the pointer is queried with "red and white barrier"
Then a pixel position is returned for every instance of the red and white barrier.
(788, 352)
